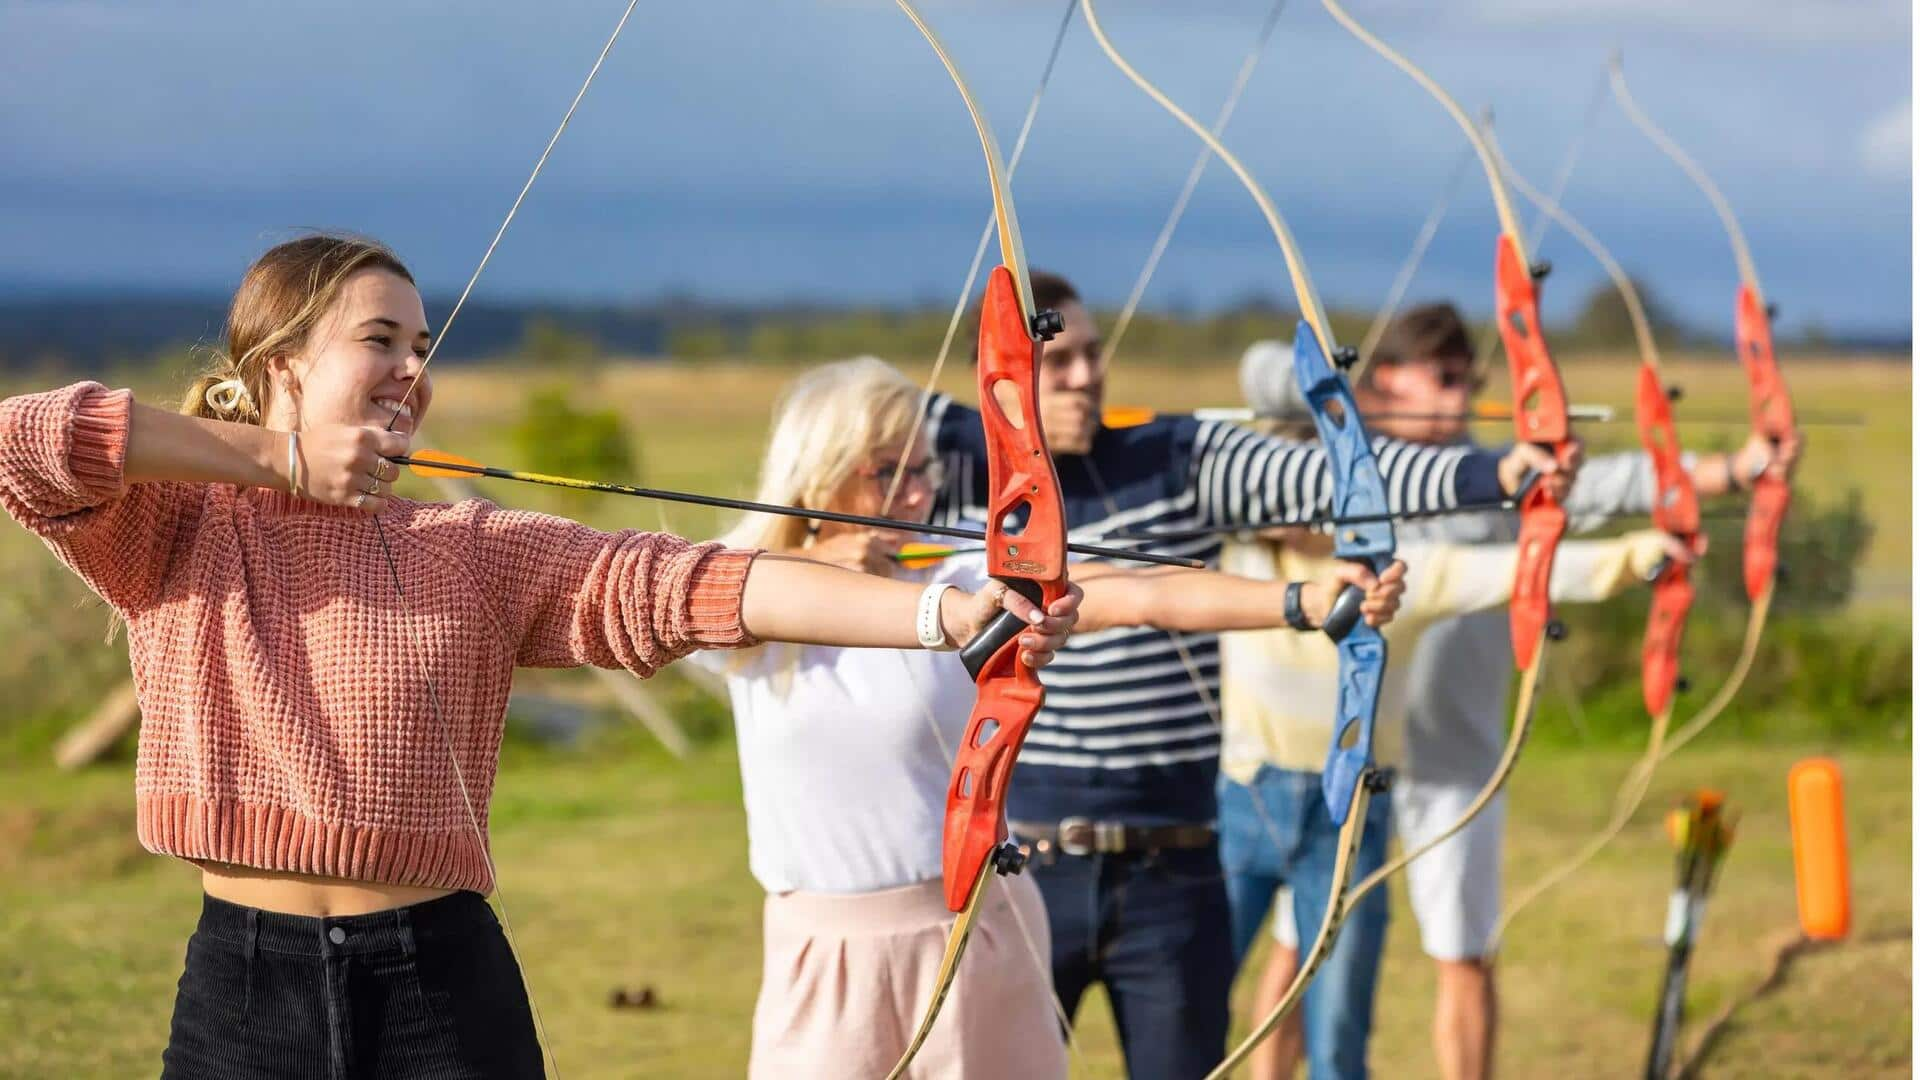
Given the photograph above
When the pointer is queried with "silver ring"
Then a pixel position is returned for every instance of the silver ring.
(359, 500)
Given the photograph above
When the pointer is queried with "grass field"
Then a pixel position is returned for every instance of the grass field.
(624, 870)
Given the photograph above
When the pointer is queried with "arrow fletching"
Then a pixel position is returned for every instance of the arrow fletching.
(439, 463)
(919, 555)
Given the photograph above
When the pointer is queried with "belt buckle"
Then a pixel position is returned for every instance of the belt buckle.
(1078, 847)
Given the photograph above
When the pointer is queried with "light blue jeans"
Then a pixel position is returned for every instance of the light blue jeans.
(1277, 832)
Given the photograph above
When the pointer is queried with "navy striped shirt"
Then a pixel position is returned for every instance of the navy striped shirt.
(1130, 731)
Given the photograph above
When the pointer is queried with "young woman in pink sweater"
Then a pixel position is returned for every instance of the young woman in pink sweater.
(323, 667)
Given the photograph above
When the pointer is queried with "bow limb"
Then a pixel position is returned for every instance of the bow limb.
(1770, 410)
(1030, 558)
(1349, 778)
(1540, 416)
(1676, 510)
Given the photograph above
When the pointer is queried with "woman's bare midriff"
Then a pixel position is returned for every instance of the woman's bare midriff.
(306, 894)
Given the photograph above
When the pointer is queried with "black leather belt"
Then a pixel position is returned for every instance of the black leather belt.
(1084, 836)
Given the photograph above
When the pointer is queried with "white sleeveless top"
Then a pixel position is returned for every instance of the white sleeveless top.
(845, 755)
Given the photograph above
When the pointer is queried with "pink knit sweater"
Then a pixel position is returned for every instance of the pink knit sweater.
(286, 723)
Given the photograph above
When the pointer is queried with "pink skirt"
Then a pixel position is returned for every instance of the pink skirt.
(847, 976)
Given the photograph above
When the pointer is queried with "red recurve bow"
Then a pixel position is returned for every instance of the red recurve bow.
(1770, 412)
(1026, 548)
(1676, 511)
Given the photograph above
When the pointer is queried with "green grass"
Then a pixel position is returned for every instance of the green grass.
(622, 869)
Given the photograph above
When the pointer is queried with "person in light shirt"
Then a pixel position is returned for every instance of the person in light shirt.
(1421, 380)
(845, 760)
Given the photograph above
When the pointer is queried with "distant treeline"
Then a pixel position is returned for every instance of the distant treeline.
(105, 329)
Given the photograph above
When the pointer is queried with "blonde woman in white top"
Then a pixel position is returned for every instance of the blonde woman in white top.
(844, 759)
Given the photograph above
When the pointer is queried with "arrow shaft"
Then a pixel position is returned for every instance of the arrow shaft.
(749, 506)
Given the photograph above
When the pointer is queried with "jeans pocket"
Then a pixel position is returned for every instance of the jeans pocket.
(217, 983)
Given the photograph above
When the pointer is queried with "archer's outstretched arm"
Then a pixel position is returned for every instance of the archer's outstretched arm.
(1241, 477)
(797, 600)
(1206, 601)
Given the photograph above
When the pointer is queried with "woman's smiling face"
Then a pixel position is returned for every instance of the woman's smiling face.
(365, 357)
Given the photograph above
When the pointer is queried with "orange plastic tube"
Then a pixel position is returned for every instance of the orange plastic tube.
(1816, 805)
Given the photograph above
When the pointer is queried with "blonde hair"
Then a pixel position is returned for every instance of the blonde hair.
(280, 300)
(826, 424)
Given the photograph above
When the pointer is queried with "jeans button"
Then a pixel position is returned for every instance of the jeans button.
(337, 936)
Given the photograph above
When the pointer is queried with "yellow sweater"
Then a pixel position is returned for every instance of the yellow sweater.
(1277, 687)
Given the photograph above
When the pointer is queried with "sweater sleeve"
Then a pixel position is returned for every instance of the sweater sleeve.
(1455, 579)
(1613, 485)
(572, 595)
(1241, 477)
(63, 456)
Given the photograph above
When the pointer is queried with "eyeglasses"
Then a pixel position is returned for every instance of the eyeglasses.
(931, 472)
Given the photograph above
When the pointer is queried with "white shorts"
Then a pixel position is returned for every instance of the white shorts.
(1454, 889)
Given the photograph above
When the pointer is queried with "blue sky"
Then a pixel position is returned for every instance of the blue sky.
(783, 150)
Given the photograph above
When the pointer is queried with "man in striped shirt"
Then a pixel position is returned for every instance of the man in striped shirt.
(1115, 788)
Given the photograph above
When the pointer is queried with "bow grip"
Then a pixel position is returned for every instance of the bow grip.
(1004, 628)
(1344, 615)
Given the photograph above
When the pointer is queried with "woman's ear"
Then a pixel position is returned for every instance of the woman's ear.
(279, 369)
(282, 388)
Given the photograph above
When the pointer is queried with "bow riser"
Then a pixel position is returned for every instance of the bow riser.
(1676, 507)
(1676, 511)
(1358, 492)
(1660, 648)
(1772, 414)
(1026, 548)
(1540, 416)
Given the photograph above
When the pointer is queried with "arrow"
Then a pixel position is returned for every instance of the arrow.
(433, 463)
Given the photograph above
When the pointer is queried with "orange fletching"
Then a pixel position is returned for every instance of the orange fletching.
(919, 555)
(1816, 807)
(1126, 416)
(421, 467)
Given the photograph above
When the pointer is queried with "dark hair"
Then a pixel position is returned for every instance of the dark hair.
(1424, 332)
(1050, 290)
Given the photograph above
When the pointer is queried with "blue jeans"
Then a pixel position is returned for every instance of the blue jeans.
(1277, 832)
(1153, 928)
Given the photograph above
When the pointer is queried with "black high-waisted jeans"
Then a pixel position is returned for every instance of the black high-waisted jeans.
(430, 991)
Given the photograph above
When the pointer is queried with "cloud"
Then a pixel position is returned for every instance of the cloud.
(1886, 145)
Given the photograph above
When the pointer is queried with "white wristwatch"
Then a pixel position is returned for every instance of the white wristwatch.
(926, 623)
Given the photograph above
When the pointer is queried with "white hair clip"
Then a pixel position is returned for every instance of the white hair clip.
(227, 395)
